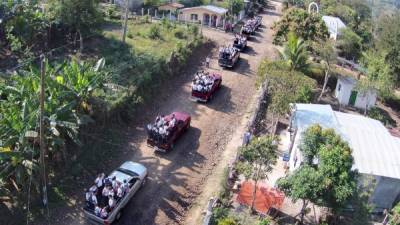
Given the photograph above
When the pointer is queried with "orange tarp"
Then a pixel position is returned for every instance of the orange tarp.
(265, 197)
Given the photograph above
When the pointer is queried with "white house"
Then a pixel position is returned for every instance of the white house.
(347, 95)
(375, 151)
(334, 25)
(208, 15)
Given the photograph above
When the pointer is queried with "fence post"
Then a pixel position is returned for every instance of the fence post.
(142, 11)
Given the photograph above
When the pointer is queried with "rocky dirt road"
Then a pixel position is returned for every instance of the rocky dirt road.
(176, 178)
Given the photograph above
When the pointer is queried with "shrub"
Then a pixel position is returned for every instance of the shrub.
(381, 115)
(179, 33)
(227, 221)
(130, 35)
(219, 213)
(264, 221)
(155, 32)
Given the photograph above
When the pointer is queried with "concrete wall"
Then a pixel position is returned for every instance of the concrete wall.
(362, 99)
(186, 16)
(386, 191)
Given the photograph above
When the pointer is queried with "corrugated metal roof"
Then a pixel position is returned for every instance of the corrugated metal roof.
(212, 8)
(375, 150)
(334, 24)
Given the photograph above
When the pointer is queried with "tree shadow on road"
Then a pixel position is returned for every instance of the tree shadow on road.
(161, 194)
(243, 67)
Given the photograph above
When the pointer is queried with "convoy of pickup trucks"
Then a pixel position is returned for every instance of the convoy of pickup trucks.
(108, 195)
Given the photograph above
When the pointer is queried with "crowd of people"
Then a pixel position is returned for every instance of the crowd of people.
(251, 25)
(161, 128)
(104, 194)
(202, 82)
(227, 52)
(239, 40)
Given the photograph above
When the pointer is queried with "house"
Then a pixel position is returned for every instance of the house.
(347, 94)
(209, 15)
(170, 7)
(334, 25)
(375, 151)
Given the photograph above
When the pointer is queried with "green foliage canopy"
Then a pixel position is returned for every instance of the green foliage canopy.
(309, 27)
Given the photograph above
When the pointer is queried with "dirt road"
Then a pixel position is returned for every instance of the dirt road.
(177, 178)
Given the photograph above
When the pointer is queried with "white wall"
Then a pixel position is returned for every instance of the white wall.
(365, 99)
(386, 191)
(343, 96)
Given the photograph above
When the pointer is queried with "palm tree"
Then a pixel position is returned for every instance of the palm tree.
(295, 53)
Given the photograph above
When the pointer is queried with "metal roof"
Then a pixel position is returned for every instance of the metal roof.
(334, 24)
(212, 8)
(375, 150)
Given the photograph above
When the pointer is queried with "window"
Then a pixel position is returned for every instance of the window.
(193, 16)
(340, 87)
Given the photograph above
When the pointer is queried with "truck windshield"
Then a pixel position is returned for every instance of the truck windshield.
(130, 173)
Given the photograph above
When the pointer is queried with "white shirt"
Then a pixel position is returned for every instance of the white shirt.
(111, 202)
(94, 199)
(99, 181)
(97, 211)
(106, 192)
(103, 213)
(88, 195)
(120, 192)
(125, 187)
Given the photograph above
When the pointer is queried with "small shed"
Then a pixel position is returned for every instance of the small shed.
(334, 24)
(347, 95)
(210, 15)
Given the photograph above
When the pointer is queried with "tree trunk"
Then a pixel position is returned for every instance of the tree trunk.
(80, 42)
(326, 79)
(303, 211)
(253, 200)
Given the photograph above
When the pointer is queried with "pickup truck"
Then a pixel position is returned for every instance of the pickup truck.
(165, 143)
(135, 174)
(200, 96)
(228, 59)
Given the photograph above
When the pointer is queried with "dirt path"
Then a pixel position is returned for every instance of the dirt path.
(177, 178)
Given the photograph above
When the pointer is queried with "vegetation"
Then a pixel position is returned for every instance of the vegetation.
(326, 177)
(394, 218)
(308, 27)
(349, 44)
(285, 86)
(258, 158)
(381, 115)
(327, 54)
(295, 53)
(68, 89)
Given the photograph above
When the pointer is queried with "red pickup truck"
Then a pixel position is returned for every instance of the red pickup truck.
(174, 125)
(205, 95)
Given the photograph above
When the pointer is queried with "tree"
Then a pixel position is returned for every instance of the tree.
(349, 44)
(309, 27)
(326, 177)
(259, 157)
(285, 86)
(387, 40)
(378, 75)
(327, 53)
(295, 53)
(394, 218)
(81, 16)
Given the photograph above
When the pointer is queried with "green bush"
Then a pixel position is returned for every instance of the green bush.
(155, 32)
(130, 35)
(381, 115)
(219, 213)
(179, 33)
(227, 221)
(264, 221)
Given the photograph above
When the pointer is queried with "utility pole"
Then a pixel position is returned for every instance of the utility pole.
(41, 133)
(125, 20)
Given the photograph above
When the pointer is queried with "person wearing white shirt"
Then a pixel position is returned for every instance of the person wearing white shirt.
(106, 191)
(97, 211)
(87, 195)
(104, 213)
(99, 180)
(125, 187)
(93, 199)
(111, 202)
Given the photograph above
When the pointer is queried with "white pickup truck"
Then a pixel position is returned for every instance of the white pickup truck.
(135, 174)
